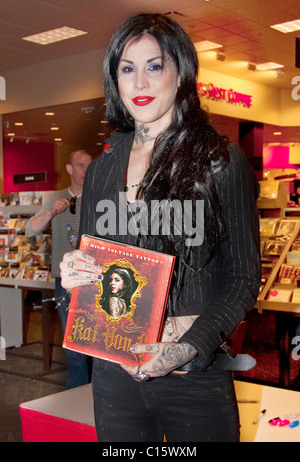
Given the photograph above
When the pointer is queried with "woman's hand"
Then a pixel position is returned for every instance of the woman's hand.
(78, 269)
(165, 358)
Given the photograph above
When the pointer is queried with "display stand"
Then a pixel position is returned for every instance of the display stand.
(12, 288)
(284, 310)
(273, 198)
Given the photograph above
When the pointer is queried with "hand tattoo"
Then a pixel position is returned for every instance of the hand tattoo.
(173, 355)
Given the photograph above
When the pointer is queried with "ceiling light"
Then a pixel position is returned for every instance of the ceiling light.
(277, 133)
(88, 109)
(268, 66)
(57, 139)
(287, 27)
(279, 75)
(55, 35)
(206, 45)
(19, 124)
(251, 66)
(220, 56)
(54, 128)
(49, 113)
(10, 134)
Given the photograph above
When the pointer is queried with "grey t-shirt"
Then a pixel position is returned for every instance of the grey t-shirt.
(60, 243)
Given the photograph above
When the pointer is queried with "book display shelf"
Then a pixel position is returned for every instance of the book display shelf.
(25, 262)
(280, 249)
(280, 261)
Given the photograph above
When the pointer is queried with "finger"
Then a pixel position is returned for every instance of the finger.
(78, 255)
(145, 348)
(72, 279)
(80, 265)
(133, 370)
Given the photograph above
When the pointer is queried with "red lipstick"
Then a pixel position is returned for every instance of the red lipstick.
(142, 100)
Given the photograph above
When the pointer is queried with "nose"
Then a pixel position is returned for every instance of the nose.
(141, 80)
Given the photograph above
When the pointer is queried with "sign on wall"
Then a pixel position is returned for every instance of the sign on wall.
(230, 96)
(40, 177)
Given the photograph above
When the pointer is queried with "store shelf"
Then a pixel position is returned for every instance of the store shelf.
(19, 209)
(28, 284)
(283, 307)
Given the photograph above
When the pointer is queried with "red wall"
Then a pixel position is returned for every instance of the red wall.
(20, 157)
(277, 157)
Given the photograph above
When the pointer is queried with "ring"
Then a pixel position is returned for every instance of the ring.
(141, 376)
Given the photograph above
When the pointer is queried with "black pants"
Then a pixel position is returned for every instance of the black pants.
(195, 407)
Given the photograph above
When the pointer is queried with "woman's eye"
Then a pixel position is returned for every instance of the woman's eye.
(154, 67)
(127, 69)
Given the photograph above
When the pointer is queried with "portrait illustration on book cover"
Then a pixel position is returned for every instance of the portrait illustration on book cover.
(121, 285)
(126, 307)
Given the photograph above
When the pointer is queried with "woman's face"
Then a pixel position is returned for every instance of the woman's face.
(116, 283)
(147, 83)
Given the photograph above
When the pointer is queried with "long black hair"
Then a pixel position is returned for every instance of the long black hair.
(189, 151)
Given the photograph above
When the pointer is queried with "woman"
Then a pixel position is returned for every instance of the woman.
(166, 149)
(117, 303)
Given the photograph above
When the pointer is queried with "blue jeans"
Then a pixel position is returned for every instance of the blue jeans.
(77, 362)
(195, 407)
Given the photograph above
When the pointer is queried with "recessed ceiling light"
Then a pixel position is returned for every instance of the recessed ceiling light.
(277, 133)
(49, 113)
(54, 35)
(268, 66)
(206, 45)
(54, 128)
(287, 27)
(19, 124)
(57, 139)
(10, 134)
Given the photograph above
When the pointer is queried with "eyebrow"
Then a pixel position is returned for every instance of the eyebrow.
(148, 61)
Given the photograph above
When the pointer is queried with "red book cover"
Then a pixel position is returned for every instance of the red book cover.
(125, 308)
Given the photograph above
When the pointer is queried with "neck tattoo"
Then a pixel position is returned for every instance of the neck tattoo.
(141, 134)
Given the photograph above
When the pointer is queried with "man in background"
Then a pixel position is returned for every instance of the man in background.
(62, 208)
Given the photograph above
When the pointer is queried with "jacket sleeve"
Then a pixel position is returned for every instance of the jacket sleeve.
(238, 262)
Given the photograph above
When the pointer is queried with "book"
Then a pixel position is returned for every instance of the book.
(296, 296)
(289, 274)
(28, 273)
(41, 275)
(125, 308)
(280, 295)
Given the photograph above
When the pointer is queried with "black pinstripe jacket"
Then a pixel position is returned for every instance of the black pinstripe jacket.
(227, 287)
